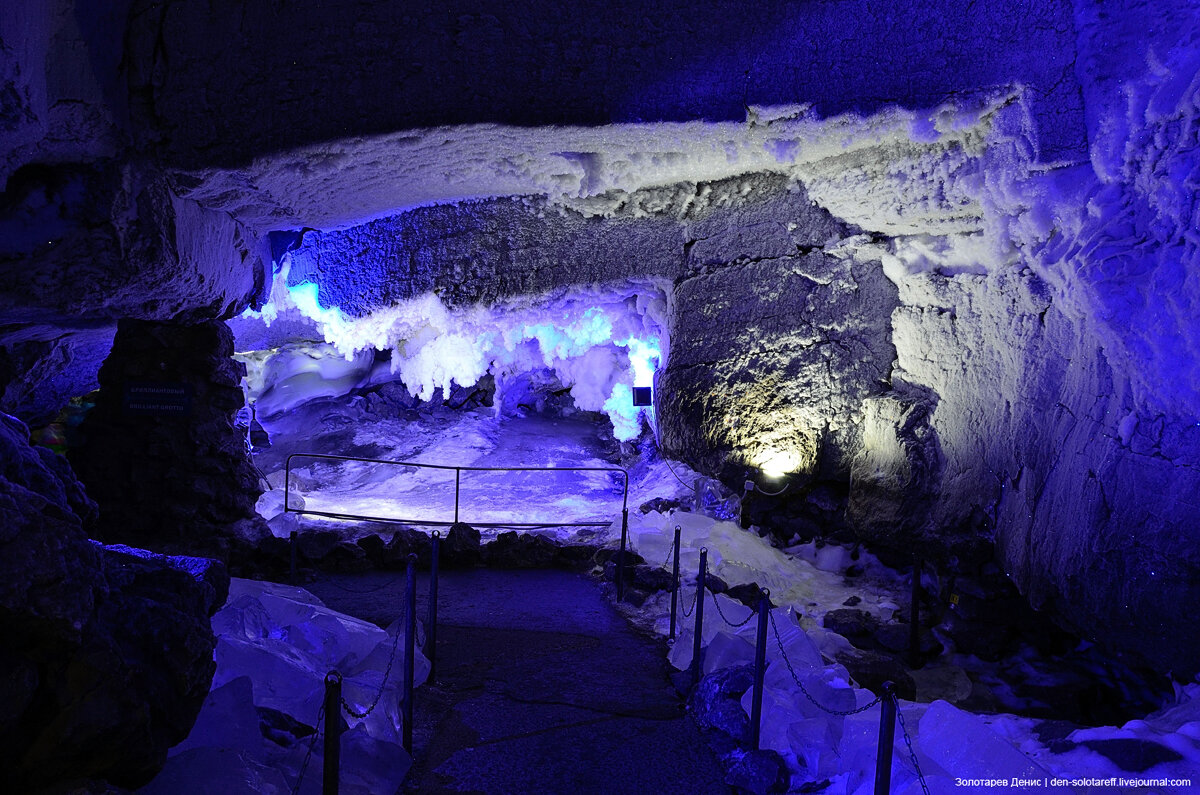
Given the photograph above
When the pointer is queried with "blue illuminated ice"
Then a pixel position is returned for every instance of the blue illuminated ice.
(599, 342)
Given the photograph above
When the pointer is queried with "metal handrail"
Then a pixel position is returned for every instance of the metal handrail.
(458, 470)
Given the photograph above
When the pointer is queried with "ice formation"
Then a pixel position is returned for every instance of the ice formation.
(275, 644)
(599, 342)
(957, 751)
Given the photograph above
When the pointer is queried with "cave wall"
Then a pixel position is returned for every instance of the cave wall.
(91, 229)
(485, 61)
(984, 310)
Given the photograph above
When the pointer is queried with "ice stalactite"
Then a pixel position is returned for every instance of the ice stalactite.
(600, 342)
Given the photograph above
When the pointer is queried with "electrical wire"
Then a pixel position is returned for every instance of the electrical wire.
(763, 491)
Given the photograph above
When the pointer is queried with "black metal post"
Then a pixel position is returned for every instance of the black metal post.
(431, 626)
(621, 555)
(914, 628)
(887, 736)
(760, 666)
(675, 582)
(410, 642)
(292, 554)
(457, 479)
(333, 733)
(697, 642)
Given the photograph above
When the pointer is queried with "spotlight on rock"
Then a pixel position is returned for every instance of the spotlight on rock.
(642, 396)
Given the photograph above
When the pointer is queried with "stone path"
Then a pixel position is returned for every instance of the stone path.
(541, 688)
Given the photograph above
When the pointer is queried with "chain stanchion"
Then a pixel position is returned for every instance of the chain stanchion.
(760, 666)
(887, 737)
(914, 614)
(410, 627)
(697, 641)
(333, 733)
(675, 580)
(430, 644)
(621, 556)
(912, 754)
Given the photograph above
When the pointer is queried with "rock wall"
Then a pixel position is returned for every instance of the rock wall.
(174, 476)
(108, 652)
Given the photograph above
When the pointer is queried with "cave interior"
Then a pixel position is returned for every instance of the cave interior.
(893, 308)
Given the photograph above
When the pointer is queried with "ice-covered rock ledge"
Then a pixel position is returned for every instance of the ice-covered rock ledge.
(956, 750)
(275, 644)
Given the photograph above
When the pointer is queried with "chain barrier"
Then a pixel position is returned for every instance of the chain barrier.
(717, 602)
(687, 612)
(374, 589)
(311, 744)
(912, 755)
(382, 684)
(670, 552)
(796, 679)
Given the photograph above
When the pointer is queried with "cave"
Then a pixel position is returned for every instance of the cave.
(891, 308)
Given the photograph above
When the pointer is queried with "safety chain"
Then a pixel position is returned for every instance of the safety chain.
(687, 612)
(670, 551)
(311, 744)
(908, 741)
(383, 683)
(374, 589)
(803, 690)
(717, 602)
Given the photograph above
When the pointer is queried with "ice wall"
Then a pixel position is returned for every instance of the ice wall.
(1050, 334)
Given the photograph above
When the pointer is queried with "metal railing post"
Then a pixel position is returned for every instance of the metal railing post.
(410, 642)
(292, 555)
(675, 582)
(333, 733)
(431, 628)
(697, 648)
(887, 736)
(914, 629)
(287, 482)
(760, 666)
(457, 482)
(621, 555)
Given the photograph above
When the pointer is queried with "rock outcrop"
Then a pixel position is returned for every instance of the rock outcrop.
(108, 653)
(159, 451)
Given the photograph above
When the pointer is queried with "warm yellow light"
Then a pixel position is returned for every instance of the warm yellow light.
(776, 464)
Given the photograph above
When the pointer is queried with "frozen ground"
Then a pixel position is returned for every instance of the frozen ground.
(476, 438)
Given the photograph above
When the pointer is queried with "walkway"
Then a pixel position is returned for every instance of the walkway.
(542, 688)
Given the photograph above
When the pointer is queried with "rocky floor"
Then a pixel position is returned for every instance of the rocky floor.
(540, 687)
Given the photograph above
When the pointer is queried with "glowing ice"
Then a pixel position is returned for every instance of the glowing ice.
(600, 343)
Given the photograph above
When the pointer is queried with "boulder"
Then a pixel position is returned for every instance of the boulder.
(109, 651)
(513, 550)
(461, 545)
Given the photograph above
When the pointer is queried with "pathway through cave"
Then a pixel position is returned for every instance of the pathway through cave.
(541, 687)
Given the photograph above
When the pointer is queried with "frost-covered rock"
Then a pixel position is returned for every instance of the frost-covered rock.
(286, 641)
